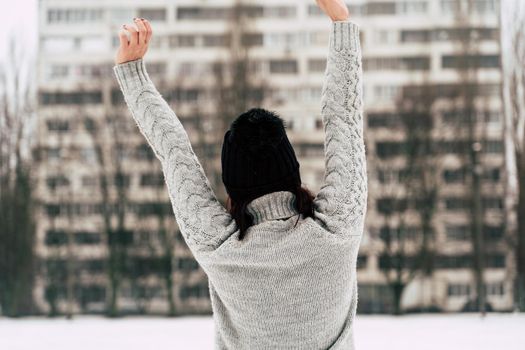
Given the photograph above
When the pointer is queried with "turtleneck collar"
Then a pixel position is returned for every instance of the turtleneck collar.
(272, 206)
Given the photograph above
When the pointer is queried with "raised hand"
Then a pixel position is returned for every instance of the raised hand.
(136, 45)
(335, 9)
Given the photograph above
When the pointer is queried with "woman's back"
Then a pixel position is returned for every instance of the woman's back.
(284, 286)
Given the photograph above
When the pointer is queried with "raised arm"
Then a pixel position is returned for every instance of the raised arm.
(341, 202)
(203, 220)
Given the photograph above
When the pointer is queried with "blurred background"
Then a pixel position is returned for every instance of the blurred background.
(86, 226)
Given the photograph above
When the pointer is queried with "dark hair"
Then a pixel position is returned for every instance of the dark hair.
(304, 204)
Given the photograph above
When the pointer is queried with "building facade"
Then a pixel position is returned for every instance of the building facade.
(105, 221)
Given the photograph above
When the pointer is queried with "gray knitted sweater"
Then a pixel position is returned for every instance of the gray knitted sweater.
(281, 287)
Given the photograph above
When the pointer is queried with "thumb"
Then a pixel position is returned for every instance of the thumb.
(124, 42)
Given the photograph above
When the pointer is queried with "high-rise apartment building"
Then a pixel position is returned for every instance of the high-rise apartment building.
(105, 220)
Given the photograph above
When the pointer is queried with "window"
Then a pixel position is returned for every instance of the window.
(415, 36)
(396, 63)
(194, 291)
(492, 175)
(183, 95)
(458, 290)
(412, 7)
(75, 15)
(182, 40)
(385, 36)
(92, 266)
(69, 98)
(470, 61)
(380, 8)
(317, 65)
(310, 149)
(453, 261)
(253, 10)
(152, 180)
(318, 38)
(284, 40)
(495, 261)
(93, 70)
(314, 10)
(87, 238)
(495, 289)
(58, 71)
(387, 262)
(54, 153)
(455, 175)
(463, 34)
(389, 205)
(203, 13)
(216, 40)
(119, 15)
(484, 6)
(386, 92)
(152, 208)
(455, 203)
(457, 232)
(450, 6)
(57, 125)
(53, 182)
(157, 68)
(153, 14)
(492, 203)
(387, 233)
(280, 11)
(383, 120)
(88, 155)
(386, 176)
(283, 66)
(361, 261)
(389, 149)
(493, 233)
(55, 238)
(144, 152)
(252, 39)
(493, 147)
(89, 181)
(187, 264)
(90, 294)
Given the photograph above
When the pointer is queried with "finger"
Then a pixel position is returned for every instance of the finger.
(134, 39)
(142, 30)
(150, 30)
(123, 37)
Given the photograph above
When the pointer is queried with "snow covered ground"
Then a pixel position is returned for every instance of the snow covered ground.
(422, 332)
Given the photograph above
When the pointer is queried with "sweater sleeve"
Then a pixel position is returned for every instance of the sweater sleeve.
(202, 219)
(341, 202)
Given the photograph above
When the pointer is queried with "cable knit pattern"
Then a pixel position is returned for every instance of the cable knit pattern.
(341, 202)
(291, 282)
(188, 187)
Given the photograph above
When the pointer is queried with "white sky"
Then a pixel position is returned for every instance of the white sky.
(18, 17)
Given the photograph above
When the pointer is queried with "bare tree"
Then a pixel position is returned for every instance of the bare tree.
(17, 227)
(237, 86)
(408, 231)
(465, 102)
(513, 73)
(110, 143)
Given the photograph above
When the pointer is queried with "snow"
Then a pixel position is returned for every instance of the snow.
(429, 332)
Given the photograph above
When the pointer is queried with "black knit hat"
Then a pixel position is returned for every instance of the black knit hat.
(257, 157)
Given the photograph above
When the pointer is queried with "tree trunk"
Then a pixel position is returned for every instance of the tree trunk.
(520, 248)
(397, 293)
